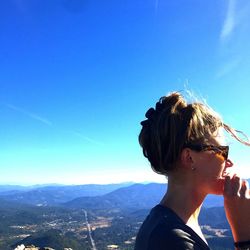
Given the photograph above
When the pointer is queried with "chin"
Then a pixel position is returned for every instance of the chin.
(218, 192)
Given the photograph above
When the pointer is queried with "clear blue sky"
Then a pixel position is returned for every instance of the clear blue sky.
(77, 77)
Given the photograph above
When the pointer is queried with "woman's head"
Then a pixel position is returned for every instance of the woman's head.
(173, 125)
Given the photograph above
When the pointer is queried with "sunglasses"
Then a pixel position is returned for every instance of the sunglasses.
(221, 150)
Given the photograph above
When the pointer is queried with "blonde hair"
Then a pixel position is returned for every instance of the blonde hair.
(174, 123)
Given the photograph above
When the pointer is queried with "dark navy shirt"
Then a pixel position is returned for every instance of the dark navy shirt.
(164, 230)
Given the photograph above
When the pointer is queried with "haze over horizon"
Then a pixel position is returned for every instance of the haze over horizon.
(78, 76)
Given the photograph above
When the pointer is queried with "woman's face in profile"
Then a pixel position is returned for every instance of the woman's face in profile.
(211, 167)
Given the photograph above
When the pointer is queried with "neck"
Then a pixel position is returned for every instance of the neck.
(184, 200)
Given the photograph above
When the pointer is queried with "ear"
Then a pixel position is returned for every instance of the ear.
(186, 158)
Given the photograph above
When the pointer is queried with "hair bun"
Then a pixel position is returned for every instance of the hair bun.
(150, 113)
(174, 101)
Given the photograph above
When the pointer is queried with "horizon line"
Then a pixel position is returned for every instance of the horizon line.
(78, 184)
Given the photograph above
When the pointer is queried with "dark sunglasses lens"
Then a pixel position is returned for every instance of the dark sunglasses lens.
(224, 152)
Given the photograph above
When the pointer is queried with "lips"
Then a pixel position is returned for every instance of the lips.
(225, 172)
(227, 168)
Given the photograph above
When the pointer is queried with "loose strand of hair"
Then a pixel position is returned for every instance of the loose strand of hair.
(234, 133)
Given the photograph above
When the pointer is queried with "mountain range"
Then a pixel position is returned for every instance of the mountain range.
(135, 198)
(124, 205)
(42, 195)
(124, 196)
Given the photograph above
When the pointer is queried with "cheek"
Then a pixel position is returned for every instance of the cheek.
(211, 164)
(215, 159)
(204, 165)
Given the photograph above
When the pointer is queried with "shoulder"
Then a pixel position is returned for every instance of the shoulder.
(163, 230)
(164, 237)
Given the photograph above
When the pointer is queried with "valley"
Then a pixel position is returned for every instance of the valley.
(107, 221)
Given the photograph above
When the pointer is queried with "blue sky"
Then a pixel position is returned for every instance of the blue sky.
(78, 76)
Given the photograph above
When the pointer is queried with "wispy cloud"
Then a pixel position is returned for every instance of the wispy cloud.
(29, 114)
(234, 29)
(228, 67)
(229, 22)
(156, 6)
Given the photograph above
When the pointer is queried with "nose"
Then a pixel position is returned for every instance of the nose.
(229, 163)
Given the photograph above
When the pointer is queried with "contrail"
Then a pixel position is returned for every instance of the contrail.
(86, 138)
(31, 115)
(49, 123)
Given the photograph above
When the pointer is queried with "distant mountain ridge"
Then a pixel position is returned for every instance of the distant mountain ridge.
(141, 196)
(9, 187)
(124, 195)
(133, 197)
(123, 206)
(53, 195)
